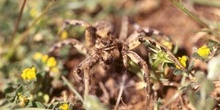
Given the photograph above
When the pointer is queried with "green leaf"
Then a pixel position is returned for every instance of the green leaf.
(191, 65)
(53, 105)
(91, 102)
(30, 104)
(38, 104)
(177, 72)
(212, 43)
(197, 56)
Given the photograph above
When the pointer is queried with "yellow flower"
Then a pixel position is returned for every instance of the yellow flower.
(64, 106)
(34, 12)
(37, 56)
(167, 44)
(54, 70)
(203, 51)
(182, 61)
(29, 73)
(44, 58)
(64, 35)
(22, 100)
(51, 62)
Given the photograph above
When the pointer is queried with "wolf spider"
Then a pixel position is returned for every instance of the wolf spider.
(103, 46)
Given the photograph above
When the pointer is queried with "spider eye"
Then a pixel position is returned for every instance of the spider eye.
(78, 71)
(104, 42)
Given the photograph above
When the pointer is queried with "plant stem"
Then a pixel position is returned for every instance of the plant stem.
(72, 88)
(18, 19)
(120, 92)
(214, 3)
(24, 35)
(179, 4)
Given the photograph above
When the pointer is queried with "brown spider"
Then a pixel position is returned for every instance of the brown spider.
(104, 47)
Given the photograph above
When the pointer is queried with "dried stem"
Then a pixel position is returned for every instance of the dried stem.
(18, 19)
(72, 88)
(105, 92)
(172, 99)
(120, 92)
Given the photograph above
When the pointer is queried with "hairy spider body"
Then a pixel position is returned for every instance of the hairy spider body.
(109, 49)
(104, 47)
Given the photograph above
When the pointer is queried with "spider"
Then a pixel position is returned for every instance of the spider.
(104, 47)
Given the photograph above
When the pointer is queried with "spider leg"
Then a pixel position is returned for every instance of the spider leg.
(90, 33)
(133, 36)
(75, 43)
(147, 32)
(85, 67)
(76, 22)
(125, 57)
(138, 60)
(104, 65)
(86, 64)
(124, 29)
(104, 29)
(135, 43)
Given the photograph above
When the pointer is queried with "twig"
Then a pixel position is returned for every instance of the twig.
(120, 92)
(172, 99)
(105, 92)
(124, 104)
(18, 19)
(72, 88)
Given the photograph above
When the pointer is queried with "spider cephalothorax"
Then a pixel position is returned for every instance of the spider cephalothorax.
(102, 46)
(108, 48)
